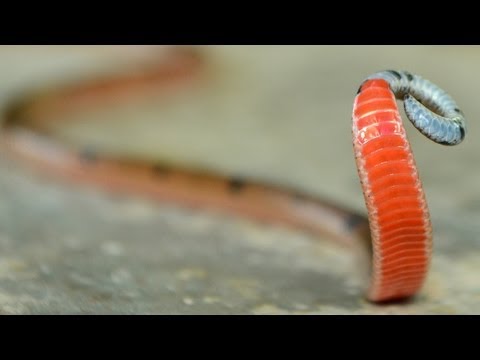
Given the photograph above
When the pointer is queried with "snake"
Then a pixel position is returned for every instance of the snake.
(396, 233)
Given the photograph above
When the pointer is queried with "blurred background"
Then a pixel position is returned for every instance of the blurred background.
(276, 114)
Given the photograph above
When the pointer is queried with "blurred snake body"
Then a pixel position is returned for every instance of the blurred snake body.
(398, 230)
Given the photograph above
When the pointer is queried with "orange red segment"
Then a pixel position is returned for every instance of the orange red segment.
(398, 213)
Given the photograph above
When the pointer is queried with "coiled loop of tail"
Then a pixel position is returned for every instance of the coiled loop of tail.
(430, 109)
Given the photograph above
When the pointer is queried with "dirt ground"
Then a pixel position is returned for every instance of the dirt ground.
(279, 114)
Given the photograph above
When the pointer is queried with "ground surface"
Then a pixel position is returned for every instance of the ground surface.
(278, 114)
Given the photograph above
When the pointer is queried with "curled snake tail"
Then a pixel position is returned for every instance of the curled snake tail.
(399, 219)
(442, 130)
(430, 109)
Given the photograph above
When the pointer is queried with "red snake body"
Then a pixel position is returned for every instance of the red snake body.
(398, 213)
(399, 222)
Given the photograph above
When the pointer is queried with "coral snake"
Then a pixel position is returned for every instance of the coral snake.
(397, 233)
